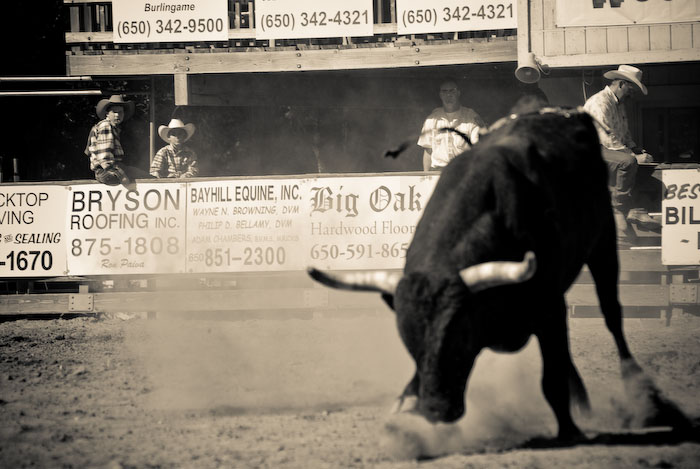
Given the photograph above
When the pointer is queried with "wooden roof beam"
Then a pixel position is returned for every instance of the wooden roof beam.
(147, 63)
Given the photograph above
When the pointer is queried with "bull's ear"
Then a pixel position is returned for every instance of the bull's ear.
(389, 300)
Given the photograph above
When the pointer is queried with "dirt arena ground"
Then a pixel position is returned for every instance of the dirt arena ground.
(311, 393)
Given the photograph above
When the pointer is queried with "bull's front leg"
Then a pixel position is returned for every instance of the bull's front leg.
(557, 364)
(408, 400)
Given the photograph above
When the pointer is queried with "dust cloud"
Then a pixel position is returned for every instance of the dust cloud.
(505, 407)
(267, 366)
(271, 365)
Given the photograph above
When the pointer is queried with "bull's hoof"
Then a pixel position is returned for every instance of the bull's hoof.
(666, 413)
(572, 436)
(561, 441)
(405, 404)
(410, 436)
(648, 407)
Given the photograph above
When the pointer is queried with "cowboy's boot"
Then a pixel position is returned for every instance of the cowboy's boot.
(625, 235)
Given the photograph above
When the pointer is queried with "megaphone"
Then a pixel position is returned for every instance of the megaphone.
(529, 69)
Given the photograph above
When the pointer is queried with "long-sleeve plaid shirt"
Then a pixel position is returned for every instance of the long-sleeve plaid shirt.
(169, 163)
(104, 147)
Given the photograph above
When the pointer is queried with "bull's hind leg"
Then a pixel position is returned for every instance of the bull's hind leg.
(604, 268)
(651, 407)
(556, 372)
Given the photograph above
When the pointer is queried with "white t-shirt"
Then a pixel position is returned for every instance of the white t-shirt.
(447, 145)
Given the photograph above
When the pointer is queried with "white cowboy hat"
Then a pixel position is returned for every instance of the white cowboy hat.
(627, 73)
(103, 105)
(164, 131)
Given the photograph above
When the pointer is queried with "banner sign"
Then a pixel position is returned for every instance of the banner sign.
(289, 224)
(113, 230)
(620, 12)
(295, 19)
(32, 241)
(436, 16)
(244, 225)
(223, 225)
(362, 223)
(343, 222)
(169, 21)
(680, 235)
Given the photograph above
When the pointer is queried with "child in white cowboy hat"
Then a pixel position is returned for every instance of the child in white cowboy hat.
(104, 146)
(175, 160)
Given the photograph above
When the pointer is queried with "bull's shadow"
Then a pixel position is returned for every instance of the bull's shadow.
(657, 436)
(647, 437)
(425, 443)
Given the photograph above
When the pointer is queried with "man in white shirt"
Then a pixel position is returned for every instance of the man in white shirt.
(441, 146)
(619, 149)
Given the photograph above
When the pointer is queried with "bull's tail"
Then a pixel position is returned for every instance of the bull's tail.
(395, 152)
(382, 281)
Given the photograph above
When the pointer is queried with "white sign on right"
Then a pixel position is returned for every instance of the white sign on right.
(680, 236)
(444, 16)
(602, 13)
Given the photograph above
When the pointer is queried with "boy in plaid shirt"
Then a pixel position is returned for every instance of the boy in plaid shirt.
(104, 147)
(175, 160)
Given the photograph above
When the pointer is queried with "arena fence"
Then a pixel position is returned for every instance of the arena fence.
(239, 247)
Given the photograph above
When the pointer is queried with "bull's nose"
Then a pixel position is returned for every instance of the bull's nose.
(441, 411)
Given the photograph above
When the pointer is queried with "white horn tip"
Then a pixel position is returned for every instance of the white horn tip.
(531, 262)
(490, 274)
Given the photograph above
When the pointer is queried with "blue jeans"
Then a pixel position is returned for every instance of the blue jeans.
(120, 174)
(622, 173)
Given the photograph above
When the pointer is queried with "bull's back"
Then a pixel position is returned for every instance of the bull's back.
(538, 182)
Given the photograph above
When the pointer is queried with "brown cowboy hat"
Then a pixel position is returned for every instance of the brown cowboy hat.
(627, 73)
(164, 130)
(115, 100)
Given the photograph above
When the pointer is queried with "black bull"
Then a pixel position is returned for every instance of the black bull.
(509, 226)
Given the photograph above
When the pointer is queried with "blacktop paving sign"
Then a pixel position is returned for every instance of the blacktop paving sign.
(32, 237)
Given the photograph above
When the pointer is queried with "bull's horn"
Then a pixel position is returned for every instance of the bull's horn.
(492, 274)
(383, 281)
